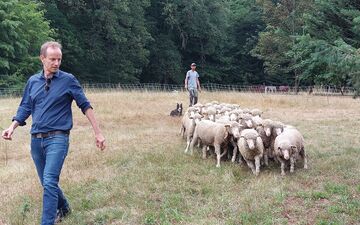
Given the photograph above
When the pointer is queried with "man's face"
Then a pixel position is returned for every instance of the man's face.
(193, 67)
(52, 60)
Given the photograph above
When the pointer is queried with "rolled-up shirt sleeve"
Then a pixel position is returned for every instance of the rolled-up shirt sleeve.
(78, 94)
(24, 110)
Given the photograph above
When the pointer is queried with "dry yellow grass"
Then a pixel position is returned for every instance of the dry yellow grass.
(144, 178)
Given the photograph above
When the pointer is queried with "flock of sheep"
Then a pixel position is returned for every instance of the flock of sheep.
(230, 129)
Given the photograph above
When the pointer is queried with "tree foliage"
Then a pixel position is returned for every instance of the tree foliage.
(279, 42)
(23, 30)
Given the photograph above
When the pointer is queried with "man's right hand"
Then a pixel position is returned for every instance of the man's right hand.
(7, 134)
(185, 87)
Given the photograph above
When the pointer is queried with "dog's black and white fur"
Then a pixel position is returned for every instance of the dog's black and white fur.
(177, 111)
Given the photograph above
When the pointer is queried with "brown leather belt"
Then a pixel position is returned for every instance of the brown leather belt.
(50, 133)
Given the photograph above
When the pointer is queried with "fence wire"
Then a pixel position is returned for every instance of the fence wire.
(210, 87)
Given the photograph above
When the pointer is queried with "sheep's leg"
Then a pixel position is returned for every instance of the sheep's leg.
(250, 165)
(204, 151)
(257, 165)
(191, 144)
(266, 157)
(187, 144)
(235, 149)
(182, 131)
(225, 151)
(218, 155)
(282, 166)
(241, 161)
(304, 156)
(292, 164)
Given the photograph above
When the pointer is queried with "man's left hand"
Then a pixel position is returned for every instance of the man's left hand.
(100, 141)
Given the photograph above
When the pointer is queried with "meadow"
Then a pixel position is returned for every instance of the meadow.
(144, 177)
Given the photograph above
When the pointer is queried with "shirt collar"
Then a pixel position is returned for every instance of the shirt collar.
(54, 75)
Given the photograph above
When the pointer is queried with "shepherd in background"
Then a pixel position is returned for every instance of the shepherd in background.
(192, 84)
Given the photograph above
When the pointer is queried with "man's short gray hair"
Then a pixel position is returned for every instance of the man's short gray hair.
(49, 44)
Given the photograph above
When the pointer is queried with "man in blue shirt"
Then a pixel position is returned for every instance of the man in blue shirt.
(192, 84)
(47, 98)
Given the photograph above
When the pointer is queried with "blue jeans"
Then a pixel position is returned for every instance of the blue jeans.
(49, 155)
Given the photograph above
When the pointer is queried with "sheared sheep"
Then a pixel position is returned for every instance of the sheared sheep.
(266, 141)
(235, 134)
(289, 146)
(251, 148)
(213, 134)
(188, 127)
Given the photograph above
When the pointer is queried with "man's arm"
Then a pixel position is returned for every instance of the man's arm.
(198, 84)
(99, 138)
(186, 81)
(7, 134)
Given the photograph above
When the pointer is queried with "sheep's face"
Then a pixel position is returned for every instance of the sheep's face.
(233, 129)
(286, 151)
(233, 117)
(278, 131)
(267, 131)
(248, 123)
(251, 143)
(191, 114)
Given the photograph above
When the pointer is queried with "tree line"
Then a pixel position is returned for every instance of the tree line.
(272, 42)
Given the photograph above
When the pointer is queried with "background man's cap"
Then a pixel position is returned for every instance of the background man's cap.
(193, 64)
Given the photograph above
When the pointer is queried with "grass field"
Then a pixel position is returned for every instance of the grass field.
(144, 177)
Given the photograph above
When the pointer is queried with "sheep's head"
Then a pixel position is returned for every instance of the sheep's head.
(197, 118)
(233, 116)
(278, 127)
(246, 120)
(250, 137)
(267, 124)
(256, 112)
(234, 128)
(285, 150)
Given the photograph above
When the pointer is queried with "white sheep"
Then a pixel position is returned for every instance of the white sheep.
(256, 112)
(289, 146)
(214, 134)
(188, 127)
(251, 148)
(246, 120)
(210, 113)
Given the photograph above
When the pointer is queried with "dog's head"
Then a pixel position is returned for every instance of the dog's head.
(179, 108)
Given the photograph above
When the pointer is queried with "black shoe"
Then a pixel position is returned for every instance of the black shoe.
(61, 214)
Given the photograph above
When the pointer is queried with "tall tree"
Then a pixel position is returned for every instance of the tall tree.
(23, 30)
(284, 21)
(110, 38)
(328, 51)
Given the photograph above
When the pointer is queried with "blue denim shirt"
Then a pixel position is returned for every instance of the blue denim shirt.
(51, 109)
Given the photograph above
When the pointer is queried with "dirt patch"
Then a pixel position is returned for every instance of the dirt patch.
(293, 208)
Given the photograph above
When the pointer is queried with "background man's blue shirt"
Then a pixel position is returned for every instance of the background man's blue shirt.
(51, 110)
(192, 76)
